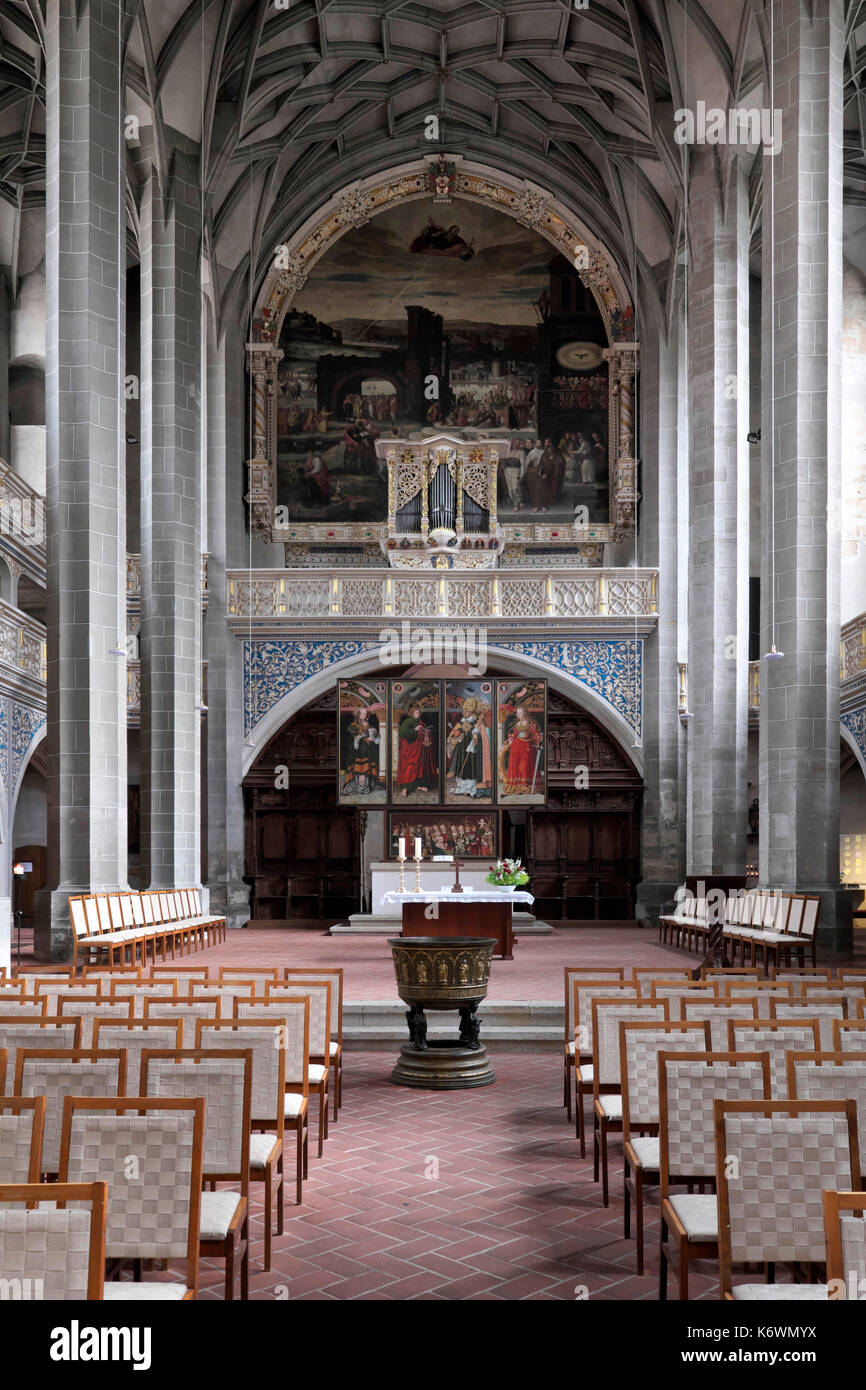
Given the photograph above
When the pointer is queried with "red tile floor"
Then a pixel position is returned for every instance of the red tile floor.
(452, 1195)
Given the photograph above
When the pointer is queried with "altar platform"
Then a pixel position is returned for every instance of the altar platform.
(385, 913)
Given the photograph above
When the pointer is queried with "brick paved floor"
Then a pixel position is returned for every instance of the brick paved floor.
(456, 1195)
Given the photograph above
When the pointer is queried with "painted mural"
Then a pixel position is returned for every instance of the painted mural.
(463, 321)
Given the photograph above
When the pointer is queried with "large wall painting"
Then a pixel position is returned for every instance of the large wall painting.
(485, 306)
(521, 708)
(415, 742)
(363, 742)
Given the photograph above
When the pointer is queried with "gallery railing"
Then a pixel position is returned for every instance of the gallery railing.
(601, 597)
(22, 642)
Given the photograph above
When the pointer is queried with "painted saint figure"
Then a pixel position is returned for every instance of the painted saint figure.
(417, 768)
(520, 757)
(469, 752)
(362, 755)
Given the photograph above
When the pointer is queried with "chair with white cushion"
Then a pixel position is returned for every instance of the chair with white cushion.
(774, 1161)
(266, 1040)
(639, 1047)
(608, 1012)
(224, 1080)
(583, 992)
(573, 974)
(136, 1035)
(642, 977)
(688, 1086)
(75, 1006)
(55, 1073)
(335, 1055)
(717, 1013)
(849, 1036)
(830, 1076)
(150, 1153)
(53, 1252)
(762, 990)
(319, 995)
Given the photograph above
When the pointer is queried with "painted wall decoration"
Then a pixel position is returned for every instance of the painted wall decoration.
(363, 742)
(469, 738)
(469, 835)
(521, 712)
(475, 303)
(416, 742)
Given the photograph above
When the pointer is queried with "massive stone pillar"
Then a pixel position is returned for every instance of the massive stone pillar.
(86, 509)
(718, 648)
(227, 549)
(662, 840)
(801, 429)
(171, 530)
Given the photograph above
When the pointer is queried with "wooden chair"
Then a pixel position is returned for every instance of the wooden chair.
(830, 1076)
(721, 973)
(583, 992)
(689, 1083)
(607, 1014)
(717, 1013)
(182, 973)
(50, 1251)
(801, 974)
(259, 975)
(134, 1037)
(154, 1204)
(296, 1032)
(642, 976)
(780, 1221)
(825, 1011)
(639, 1046)
(129, 973)
(24, 1008)
(71, 1005)
(850, 1035)
(224, 1080)
(49, 1030)
(185, 1008)
(762, 990)
(845, 1241)
(12, 989)
(319, 995)
(22, 1122)
(58, 1072)
(776, 1039)
(225, 993)
(574, 974)
(334, 974)
(266, 1041)
(139, 990)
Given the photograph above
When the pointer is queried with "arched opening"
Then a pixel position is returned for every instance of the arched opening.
(307, 858)
(29, 840)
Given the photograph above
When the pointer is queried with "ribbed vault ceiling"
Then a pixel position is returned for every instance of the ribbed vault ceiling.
(286, 106)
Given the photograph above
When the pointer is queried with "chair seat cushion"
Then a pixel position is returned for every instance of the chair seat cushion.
(584, 1071)
(217, 1211)
(262, 1147)
(294, 1105)
(333, 1049)
(778, 1293)
(315, 1073)
(646, 1152)
(569, 1047)
(611, 1106)
(127, 1291)
(699, 1214)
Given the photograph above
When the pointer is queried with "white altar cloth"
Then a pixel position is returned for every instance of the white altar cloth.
(471, 895)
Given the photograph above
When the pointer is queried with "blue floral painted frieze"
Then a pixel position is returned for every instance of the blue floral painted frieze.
(26, 723)
(611, 669)
(854, 720)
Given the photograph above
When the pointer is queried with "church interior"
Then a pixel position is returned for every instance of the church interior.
(433, 652)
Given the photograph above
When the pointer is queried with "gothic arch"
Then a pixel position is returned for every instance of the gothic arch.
(367, 662)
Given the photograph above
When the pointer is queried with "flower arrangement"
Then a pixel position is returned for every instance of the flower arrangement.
(507, 873)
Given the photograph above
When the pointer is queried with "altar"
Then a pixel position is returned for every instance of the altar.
(478, 912)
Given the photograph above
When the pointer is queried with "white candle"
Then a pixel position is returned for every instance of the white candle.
(417, 846)
(402, 854)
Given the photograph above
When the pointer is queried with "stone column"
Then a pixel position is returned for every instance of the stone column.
(170, 530)
(718, 518)
(800, 562)
(227, 546)
(662, 842)
(86, 507)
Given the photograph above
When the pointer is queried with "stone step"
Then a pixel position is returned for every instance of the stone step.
(379, 1024)
(368, 924)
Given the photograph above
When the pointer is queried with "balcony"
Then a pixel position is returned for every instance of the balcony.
(22, 648)
(281, 601)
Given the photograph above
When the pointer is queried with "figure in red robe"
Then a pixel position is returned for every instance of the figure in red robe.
(417, 769)
(519, 755)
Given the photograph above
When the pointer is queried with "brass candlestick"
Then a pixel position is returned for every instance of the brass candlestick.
(417, 873)
(402, 859)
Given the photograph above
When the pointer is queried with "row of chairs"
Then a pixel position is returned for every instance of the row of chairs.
(665, 1086)
(782, 926)
(286, 1024)
(119, 927)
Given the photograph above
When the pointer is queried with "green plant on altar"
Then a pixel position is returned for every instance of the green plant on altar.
(507, 873)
